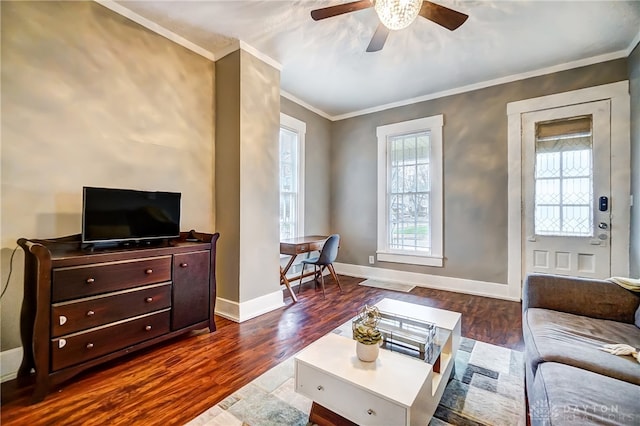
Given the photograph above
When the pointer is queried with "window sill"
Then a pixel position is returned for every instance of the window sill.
(410, 259)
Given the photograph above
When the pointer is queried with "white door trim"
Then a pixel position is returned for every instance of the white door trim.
(620, 172)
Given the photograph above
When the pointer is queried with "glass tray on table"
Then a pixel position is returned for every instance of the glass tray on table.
(413, 337)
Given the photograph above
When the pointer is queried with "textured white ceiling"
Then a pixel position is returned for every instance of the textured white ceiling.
(324, 63)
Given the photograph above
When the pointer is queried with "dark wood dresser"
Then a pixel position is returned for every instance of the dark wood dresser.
(84, 307)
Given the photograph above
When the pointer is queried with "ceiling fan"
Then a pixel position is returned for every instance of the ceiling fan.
(395, 15)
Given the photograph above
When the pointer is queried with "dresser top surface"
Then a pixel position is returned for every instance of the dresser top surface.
(69, 253)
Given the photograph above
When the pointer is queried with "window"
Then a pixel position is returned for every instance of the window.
(292, 133)
(410, 192)
(564, 178)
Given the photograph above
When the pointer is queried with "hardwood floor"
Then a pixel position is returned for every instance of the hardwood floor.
(173, 383)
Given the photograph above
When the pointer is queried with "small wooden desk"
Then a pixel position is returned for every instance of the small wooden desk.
(293, 247)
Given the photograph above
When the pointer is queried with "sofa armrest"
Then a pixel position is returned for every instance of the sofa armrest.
(581, 296)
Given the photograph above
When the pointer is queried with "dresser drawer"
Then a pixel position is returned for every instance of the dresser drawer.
(349, 401)
(83, 346)
(69, 317)
(81, 281)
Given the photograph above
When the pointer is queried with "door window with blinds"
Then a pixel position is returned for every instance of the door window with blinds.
(292, 132)
(564, 178)
(410, 192)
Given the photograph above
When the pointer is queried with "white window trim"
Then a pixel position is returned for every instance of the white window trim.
(433, 124)
(300, 127)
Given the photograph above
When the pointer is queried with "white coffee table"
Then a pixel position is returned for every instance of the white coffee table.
(396, 389)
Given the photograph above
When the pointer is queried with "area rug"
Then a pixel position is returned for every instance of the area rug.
(388, 285)
(487, 389)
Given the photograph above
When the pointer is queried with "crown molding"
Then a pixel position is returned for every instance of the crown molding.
(258, 54)
(634, 43)
(239, 44)
(228, 49)
(170, 35)
(156, 28)
(484, 84)
(303, 104)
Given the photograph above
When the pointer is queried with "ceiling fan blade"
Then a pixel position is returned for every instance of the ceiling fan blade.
(448, 18)
(328, 12)
(378, 39)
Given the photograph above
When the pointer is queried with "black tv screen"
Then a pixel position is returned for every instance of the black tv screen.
(119, 215)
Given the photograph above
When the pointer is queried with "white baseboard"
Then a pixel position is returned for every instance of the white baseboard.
(458, 285)
(239, 312)
(9, 363)
(243, 311)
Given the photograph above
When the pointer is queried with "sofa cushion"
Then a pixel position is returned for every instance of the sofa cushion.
(580, 296)
(565, 395)
(575, 340)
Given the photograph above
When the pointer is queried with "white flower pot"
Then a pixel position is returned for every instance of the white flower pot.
(367, 353)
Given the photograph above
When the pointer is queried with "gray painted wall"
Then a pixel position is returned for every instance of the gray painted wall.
(227, 172)
(475, 172)
(317, 166)
(259, 174)
(247, 125)
(91, 99)
(634, 77)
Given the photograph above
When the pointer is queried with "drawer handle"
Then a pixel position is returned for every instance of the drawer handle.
(62, 319)
(62, 343)
(149, 271)
(90, 280)
(148, 328)
(149, 299)
(371, 412)
(89, 345)
(184, 265)
(90, 313)
(320, 388)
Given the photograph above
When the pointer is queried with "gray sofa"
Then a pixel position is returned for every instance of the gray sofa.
(569, 380)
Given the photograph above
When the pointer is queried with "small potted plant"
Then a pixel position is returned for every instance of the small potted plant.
(366, 333)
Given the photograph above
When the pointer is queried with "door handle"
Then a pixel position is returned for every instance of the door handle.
(603, 225)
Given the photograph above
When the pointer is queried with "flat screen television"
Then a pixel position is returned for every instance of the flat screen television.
(111, 215)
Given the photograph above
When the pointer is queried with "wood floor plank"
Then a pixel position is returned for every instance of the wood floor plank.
(172, 383)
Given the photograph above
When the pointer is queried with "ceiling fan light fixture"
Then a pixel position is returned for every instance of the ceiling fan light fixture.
(397, 14)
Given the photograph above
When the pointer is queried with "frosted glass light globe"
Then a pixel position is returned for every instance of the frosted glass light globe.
(397, 14)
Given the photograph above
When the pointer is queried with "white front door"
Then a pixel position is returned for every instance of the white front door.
(566, 158)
